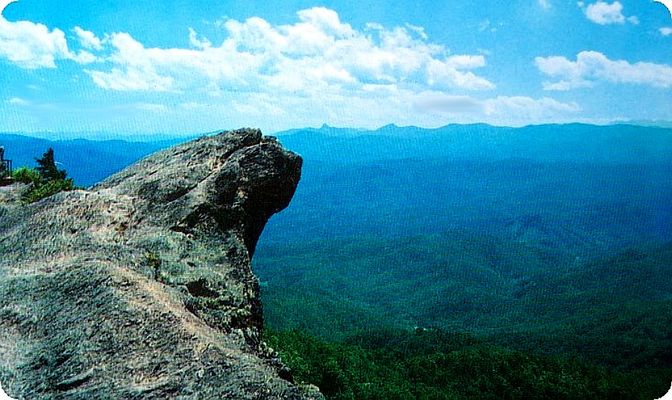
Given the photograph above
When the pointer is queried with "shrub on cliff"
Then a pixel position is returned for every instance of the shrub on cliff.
(26, 175)
(47, 189)
(44, 180)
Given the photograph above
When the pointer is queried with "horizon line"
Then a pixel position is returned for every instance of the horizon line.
(160, 136)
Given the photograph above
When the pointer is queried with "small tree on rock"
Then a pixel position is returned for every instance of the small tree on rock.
(44, 180)
(47, 167)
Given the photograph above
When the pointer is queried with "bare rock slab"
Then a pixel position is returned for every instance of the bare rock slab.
(141, 287)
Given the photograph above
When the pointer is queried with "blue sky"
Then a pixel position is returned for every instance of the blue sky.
(185, 67)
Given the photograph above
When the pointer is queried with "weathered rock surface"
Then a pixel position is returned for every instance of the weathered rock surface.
(141, 288)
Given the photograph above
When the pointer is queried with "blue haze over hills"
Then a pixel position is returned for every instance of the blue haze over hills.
(92, 160)
(611, 181)
(86, 161)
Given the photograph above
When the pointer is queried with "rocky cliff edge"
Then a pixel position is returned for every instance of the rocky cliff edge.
(141, 287)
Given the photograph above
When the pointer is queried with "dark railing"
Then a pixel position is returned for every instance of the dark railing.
(6, 167)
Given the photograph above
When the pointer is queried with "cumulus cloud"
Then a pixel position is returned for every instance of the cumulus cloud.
(591, 67)
(454, 71)
(31, 46)
(607, 13)
(317, 69)
(318, 51)
(88, 39)
(665, 31)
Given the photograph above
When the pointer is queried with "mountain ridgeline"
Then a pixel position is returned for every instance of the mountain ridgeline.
(613, 144)
(467, 261)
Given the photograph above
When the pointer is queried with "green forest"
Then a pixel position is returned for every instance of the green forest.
(434, 364)
(589, 333)
(456, 270)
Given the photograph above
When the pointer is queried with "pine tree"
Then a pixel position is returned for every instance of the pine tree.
(47, 167)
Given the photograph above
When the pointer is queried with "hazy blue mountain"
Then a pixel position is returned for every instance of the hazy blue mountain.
(579, 208)
(580, 188)
(615, 144)
(87, 161)
(91, 160)
(549, 239)
(656, 123)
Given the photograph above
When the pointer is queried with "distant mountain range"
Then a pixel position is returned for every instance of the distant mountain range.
(89, 161)
(614, 144)
(587, 187)
(654, 123)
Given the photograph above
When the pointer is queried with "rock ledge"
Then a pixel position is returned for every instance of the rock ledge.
(141, 288)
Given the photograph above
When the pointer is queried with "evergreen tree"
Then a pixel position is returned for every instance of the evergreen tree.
(47, 167)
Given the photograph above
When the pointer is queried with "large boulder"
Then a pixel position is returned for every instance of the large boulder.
(141, 288)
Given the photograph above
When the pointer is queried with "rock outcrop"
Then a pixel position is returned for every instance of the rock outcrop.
(141, 287)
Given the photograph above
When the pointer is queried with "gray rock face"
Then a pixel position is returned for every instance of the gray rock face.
(141, 288)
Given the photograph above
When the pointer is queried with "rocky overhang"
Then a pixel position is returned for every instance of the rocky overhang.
(141, 287)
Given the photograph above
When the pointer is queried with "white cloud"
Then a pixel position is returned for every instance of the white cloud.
(130, 80)
(17, 101)
(545, 4)
(666, 31)
(88, 39)
(326, 21)
(605, 13)
(317, 52)
(318, 69)
(592, 66)
(31, 46)
(454, 72)
(513, 110)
